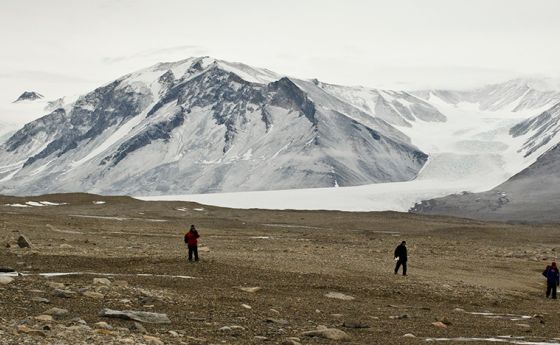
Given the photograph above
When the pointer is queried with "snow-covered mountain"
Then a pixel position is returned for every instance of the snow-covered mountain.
(205, 125)
(517, 95)
(472, 150)
(533, 194)
(6, 130)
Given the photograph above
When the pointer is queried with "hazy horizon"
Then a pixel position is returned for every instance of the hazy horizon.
(63, 47)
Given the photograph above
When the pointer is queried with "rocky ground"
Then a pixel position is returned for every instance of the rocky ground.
(265, 277)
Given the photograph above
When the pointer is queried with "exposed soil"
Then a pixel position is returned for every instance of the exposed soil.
(456, 266)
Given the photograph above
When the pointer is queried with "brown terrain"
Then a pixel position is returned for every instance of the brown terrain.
(318, 277)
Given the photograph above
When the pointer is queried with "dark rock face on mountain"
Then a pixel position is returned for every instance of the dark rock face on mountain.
(28, 96)
(542, 129)
(203, 125)
(532, 195)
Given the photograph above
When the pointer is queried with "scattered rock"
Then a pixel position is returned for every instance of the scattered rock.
(400, 317)
(63, 293)
(101, 281)
(40, 300)
(138, 328)
(355, 324)
(153, 340)
(277, 321)
(55, 285)
(445, 321)
(246, 306)
(120, 283)
(328, 333)
(173, 334)
(338, 295)
(23, 242)
(27, 330)
(290, 341)
(439, 324)
(250, 289)
(6, 280)
(409, 335)
(56, 312)
(94, 295)
(44, 318)
(103, 325)
(104, 331)
(78, 321)
(66, 246)
(140, 316)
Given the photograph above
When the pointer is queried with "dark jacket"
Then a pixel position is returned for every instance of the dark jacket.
(190, 238)
(552, 275)
(401, 253)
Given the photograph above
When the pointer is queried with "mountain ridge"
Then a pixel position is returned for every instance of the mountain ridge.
(226, 100)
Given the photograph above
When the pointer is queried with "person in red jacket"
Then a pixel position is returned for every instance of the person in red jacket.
(192, 243)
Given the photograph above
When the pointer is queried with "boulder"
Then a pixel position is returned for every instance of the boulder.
(6, 280)
(101, 281)
(56, 312)
(23, 242)
(328, 333)
(140, 316)
(338, 295)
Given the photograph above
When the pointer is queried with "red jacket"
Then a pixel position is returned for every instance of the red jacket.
(190, 238)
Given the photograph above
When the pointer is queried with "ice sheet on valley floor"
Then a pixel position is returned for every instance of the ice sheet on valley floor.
(397, 196)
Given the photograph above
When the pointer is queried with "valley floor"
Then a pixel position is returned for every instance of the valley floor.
(482, 281)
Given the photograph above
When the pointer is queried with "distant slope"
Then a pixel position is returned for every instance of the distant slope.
(531, 195)
(516, 95)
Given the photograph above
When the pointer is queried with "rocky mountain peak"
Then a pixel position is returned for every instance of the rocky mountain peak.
(28, 96)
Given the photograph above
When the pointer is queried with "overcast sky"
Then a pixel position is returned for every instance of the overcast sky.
(63, 47)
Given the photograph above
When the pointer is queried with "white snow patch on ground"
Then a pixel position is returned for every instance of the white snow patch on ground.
(34, 203)
(120, 219)
(17, 205)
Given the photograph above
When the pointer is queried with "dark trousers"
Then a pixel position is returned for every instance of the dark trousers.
(551, 287)
(193, 250)
(399, 263)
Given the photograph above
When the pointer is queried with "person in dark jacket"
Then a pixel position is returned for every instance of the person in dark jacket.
(552, 279)
(401, 257)
(191, 240)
